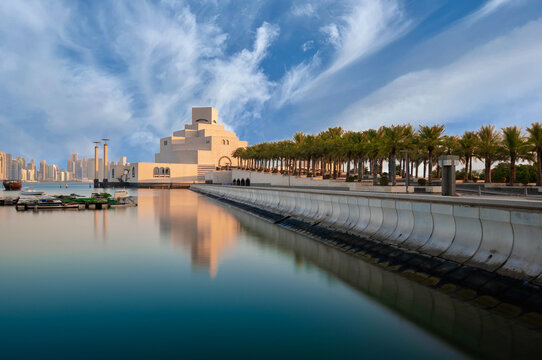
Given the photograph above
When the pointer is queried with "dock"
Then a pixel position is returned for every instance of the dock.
(63, 202)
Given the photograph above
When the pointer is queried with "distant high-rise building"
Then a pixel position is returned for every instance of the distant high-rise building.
(71, 163)
(9, 158)
(43, 170)
(3, 165)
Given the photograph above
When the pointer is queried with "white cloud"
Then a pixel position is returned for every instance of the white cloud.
(331, 32)
(303, 10)
(491, 78)
(238, 87)
(294, 80)
(307, 45)
(488, 8)
(367, 26)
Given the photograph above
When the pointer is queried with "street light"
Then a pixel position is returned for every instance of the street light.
(106, 170)
(407, 169)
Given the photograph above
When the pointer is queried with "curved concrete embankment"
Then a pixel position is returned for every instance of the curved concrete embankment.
(471, 327)
(504, 236)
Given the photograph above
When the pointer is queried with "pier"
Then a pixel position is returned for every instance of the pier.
(63, 202)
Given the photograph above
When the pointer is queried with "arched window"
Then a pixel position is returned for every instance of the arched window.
(112, 173)
(156, 171)
(247, 182)
(242, 182)
(162, 171)
(133, 171)
(227, 142)
(167, 171)
(223, 142)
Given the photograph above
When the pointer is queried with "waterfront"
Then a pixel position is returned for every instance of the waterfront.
(184, 275)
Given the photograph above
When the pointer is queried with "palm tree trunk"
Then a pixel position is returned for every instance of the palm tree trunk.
(488, 170)
(539, 167)
(392, 170)
(470, 169)
(430, 168)
(424, 168)
(512, 170)
(375, 180)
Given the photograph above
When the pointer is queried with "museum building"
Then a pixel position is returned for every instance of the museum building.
(185, 157)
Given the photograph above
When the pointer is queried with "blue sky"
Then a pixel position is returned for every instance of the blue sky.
(75, 71)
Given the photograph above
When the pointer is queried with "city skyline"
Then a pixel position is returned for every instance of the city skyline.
(18, 168)
(78, 71)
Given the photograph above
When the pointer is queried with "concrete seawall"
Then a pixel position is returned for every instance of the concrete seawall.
(468, 325)
(502, 236)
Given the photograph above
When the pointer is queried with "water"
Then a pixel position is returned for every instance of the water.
(184, 276)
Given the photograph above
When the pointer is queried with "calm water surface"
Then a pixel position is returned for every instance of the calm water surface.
(183, 275)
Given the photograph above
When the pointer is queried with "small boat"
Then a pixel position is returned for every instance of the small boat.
(120, 194)
(12, 185)
(31, 191)
(49, 204)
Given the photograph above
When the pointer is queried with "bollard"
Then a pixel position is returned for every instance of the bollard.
(448, 163)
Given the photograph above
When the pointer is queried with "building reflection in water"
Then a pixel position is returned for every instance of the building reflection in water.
(198, 226)
(104, 224)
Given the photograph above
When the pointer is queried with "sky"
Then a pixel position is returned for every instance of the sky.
(72, 72)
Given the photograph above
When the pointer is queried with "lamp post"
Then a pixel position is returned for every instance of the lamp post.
(106, 172)
(96, 168)
(407, 169)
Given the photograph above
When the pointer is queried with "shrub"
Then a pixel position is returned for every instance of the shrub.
(526, 173)
(275, 171)
(422, 182)
(351, 179)
(384, 181)
(327, 176)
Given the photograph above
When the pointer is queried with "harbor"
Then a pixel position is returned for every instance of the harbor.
(28, 198)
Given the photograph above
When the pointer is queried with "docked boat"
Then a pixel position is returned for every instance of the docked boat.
(12, 185)
(50, 204)
(31, 191)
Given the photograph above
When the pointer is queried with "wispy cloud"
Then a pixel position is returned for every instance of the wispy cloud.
(497, 76)
(307, 45)
(306, 9)
(488, 8)
(238, 87)
(365, 28)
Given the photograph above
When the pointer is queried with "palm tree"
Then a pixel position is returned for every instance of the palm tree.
(515, 145)
(431, 138)
(535, 140)
(467, 143)
(373, 146)
(238, 154)
(488, 148)
(393, 140)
